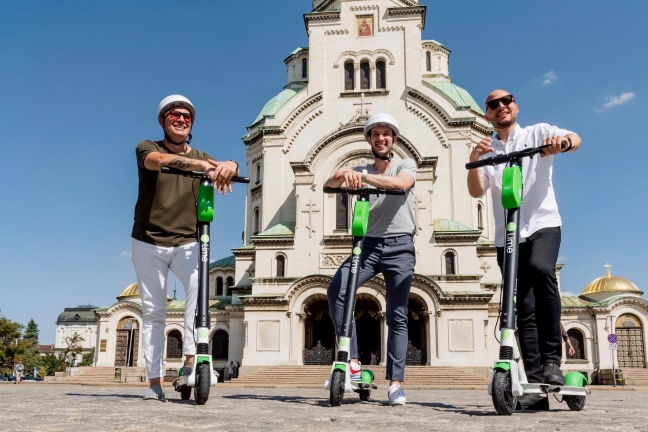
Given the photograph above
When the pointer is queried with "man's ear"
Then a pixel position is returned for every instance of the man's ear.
(487, 117)
(368, 138)
(161, 121)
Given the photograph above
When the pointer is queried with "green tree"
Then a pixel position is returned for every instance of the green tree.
(32, 332)
(10, 335)
(73, 348)
(88, 359)
(49, 364)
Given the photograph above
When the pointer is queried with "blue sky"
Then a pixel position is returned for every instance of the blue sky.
(81, 82)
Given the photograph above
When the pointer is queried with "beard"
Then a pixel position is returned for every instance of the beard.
(504, 123)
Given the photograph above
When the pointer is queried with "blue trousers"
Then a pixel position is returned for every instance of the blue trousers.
(394, 257)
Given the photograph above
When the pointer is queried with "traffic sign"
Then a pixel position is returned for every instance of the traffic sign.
(614, 347)
(612, 338)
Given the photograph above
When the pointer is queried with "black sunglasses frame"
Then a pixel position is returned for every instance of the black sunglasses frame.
(494, 103)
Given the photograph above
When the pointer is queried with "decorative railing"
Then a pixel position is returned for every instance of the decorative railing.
(318, 355)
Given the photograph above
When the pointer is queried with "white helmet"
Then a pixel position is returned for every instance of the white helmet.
(175, 101)
(381, 119)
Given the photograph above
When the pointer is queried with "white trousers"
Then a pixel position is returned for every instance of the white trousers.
(152, 264)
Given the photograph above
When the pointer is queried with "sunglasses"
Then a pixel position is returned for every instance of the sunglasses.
(506, 101)
(175, 115)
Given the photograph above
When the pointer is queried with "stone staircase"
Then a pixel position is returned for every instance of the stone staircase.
(105, 375)
(416, 377)
(631, 377)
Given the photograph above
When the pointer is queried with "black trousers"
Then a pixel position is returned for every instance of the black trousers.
(538, 301)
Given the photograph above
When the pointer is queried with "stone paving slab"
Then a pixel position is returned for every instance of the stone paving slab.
(43, 407)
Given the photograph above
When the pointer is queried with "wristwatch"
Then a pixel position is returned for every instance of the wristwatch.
(364, 176)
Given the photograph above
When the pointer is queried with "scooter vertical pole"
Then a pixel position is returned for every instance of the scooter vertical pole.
(205, 215)
(346, 329)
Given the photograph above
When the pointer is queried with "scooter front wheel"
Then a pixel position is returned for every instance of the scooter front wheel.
(503, 399)
(337, 387)
(203, 377)
(575, 403)
(185, 393)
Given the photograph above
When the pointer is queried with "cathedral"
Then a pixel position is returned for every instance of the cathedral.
(268, 300)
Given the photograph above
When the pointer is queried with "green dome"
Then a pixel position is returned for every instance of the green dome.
(274, 104)
(81, 315)
(456, 94)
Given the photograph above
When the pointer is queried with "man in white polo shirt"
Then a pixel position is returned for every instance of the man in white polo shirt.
(538, 299)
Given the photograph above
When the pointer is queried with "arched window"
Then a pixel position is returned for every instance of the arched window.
(341, 211)
(577, 341)
(480, 216)
(281, 266)
(349, 78)
(174, 345)
(258, 173)
(428, 61)
(304, 68)
(450, 262)
(229, 284)
(219, 286)
(365, 78)
(256, 221)
(381, 78)
(220, 345)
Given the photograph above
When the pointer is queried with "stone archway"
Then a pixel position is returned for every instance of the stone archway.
(318, 326)
(417, 330)
(368, 326)
(127, 342)
(630, 332)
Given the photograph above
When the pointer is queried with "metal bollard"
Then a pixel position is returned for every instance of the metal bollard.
(118, 374)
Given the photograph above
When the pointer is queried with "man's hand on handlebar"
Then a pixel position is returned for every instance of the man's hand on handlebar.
(555, 144)
(352, 179)
(221, 173)
(484, 147)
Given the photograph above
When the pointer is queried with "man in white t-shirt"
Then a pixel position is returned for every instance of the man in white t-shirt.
(538, 299)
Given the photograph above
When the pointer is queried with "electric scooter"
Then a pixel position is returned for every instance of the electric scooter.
(509, 377)
(202, 374)
(339, 380)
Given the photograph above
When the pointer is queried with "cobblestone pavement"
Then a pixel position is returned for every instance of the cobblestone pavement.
(44, 407)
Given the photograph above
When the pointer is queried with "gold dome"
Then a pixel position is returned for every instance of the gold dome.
(132, 290)
(609, 284)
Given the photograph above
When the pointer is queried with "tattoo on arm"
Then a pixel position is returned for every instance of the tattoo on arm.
(180, 163)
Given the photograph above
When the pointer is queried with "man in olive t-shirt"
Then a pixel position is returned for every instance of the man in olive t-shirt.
(164, 231)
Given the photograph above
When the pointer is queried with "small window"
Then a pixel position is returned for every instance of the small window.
(258, 173)
(450, 263)
(219, 286)
(281, 265)
(365, 78)
(256, 221)
(349, 78)
(480, 216)
(576, 339)
(428, 61)
(229, 284)
(381, 78)
(341, 211)
(304, 68)
(174, 345)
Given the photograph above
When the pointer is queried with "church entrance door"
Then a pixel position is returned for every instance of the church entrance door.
(319, 340)
(631, 342)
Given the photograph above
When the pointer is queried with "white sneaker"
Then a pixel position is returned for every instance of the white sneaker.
(396, 395)
(355, 369)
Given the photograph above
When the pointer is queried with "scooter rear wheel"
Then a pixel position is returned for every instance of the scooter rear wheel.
(364, 395)
(203, 377)
(503, 399)
(337, 387)
(575, 403)
(185, 393)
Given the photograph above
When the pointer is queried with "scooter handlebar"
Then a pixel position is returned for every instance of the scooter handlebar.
(200, 174)
(504, 158)
(365, 190)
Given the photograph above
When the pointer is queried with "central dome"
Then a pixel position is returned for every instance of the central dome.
(611, 284)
